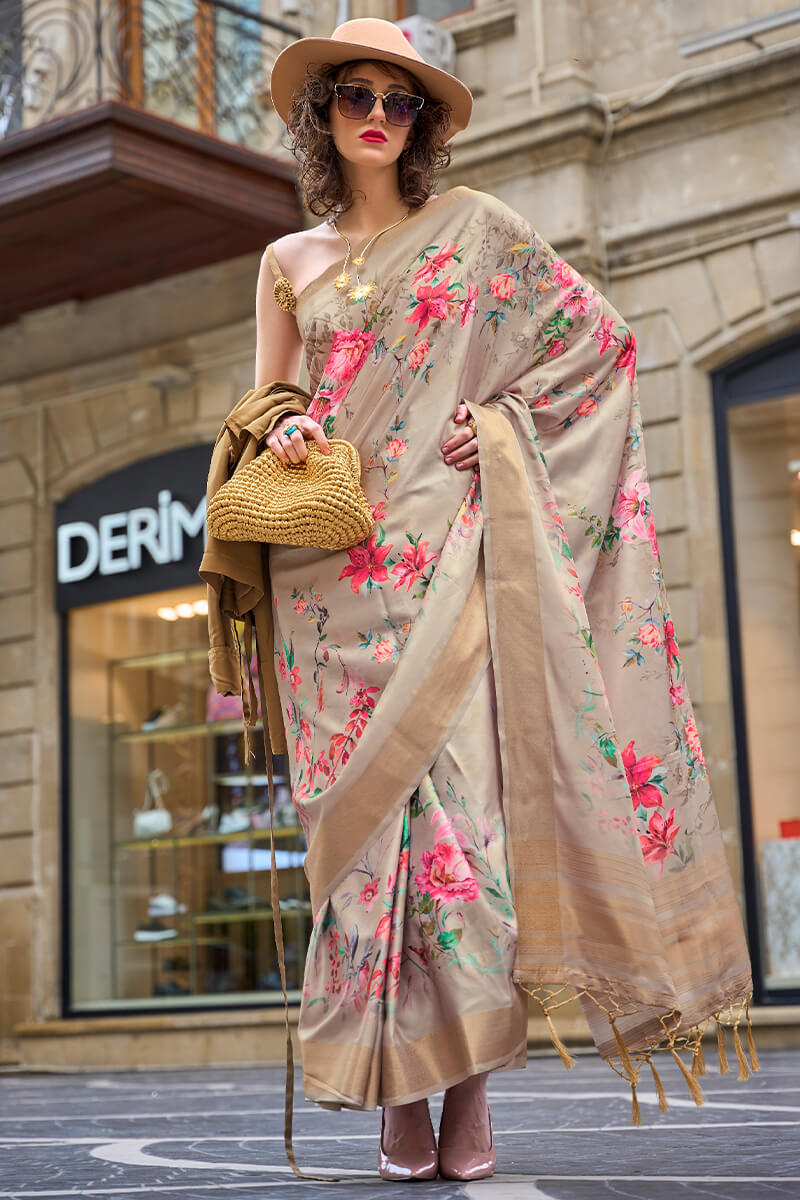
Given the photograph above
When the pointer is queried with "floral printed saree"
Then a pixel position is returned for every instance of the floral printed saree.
(493, 748)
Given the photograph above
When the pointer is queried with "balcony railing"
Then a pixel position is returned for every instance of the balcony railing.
(203, 63)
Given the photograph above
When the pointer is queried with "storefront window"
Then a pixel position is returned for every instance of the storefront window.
(763, 447)
(168, 822)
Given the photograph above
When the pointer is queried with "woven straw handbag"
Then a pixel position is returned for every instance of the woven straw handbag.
(319, 502)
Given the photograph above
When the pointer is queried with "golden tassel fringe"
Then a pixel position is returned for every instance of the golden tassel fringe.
(723, 1058)
(564, 1053)
(691, 1082)
(662, 1099)
(698, 1058)
(751, 1046)
(691, 1040)
(751, 1049)
(627, 1065)
(744, 1073)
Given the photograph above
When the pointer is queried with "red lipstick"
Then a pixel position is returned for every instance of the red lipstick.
(373, 135)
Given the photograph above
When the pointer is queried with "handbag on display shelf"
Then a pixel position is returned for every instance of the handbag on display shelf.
(227, 708)
(153, 819)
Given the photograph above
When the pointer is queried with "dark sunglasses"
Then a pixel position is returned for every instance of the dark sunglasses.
(357, 101)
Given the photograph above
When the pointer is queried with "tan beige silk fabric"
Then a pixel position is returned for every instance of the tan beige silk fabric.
(546, 567)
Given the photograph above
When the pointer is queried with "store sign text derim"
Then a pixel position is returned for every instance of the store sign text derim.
(118, 541)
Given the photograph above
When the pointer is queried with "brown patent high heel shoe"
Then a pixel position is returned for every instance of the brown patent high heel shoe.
(460, 1163)
(422, 1165)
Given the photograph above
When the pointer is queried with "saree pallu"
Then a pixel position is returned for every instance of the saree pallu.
(494, 753)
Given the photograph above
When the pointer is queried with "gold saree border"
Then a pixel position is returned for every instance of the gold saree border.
(528, 797)
(468, 1045)
(371, 803)
(523, 721)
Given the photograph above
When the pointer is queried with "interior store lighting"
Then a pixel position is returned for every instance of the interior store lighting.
(794, 537)
(181, 611)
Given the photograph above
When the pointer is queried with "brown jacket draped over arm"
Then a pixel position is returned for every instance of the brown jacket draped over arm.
(237, 573)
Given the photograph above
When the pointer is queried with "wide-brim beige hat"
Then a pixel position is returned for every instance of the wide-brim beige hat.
(363, 38)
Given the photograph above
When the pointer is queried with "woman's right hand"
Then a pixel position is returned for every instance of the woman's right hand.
(293, 448)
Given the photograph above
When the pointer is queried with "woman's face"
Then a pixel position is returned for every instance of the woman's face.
(348, 134)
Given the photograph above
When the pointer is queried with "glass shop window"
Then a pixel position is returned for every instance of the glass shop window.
(169, 824)
(764, 454)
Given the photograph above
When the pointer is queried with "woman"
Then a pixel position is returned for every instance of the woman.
(493, 749)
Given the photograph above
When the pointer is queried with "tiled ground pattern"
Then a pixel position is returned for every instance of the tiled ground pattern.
(560, 1136)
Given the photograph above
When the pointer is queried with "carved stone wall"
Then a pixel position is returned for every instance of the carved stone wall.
(678, 197)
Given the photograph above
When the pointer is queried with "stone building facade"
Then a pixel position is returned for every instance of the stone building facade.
(672, 180)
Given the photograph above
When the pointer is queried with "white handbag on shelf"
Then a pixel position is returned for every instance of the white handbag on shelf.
(153, 819)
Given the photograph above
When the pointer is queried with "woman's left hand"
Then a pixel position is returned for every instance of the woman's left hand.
(461, 450)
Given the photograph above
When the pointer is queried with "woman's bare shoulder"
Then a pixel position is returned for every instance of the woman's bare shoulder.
(294, 249)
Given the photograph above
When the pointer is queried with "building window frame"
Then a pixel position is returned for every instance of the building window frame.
(767, 373)
(146, 581)
(402, 11)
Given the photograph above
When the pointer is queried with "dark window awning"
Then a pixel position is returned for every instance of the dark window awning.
(113, 196)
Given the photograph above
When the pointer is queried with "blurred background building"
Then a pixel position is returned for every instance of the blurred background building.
(142, 171)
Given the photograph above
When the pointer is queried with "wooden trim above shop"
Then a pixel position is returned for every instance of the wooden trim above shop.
(112, 197)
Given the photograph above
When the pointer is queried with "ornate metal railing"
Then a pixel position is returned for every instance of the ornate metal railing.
(204, 63)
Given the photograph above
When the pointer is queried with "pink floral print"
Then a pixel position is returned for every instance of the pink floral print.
(431, 302)
(503, 286)
(644, 784)
(657, 843)
(347, 356)
(384, 649)
(605, 334)
(287, 668)
(446, 875)
(395, 448)
(366, 566)
(416, 355)
(671, 644)
(412, 567)
(343, 744)
(626, 358)
(693, 738)
(563, 275)
(469, 305)
(434, 263)
(369, 893)
(348, 351)
(631, 508)
(650, 635)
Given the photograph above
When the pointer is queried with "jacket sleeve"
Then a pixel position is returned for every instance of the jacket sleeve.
(234, 571)
(223, 658)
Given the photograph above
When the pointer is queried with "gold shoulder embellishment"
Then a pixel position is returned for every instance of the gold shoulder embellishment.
(284, 296)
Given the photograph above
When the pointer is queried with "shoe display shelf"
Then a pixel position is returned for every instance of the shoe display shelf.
(205, 782)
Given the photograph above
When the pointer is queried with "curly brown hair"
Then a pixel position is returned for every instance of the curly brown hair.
(322, 182)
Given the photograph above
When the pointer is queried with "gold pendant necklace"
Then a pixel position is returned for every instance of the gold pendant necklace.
(362, 290)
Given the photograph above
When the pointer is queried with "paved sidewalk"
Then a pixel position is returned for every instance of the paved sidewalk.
(559, 1135)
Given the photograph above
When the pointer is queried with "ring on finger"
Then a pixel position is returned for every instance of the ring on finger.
(471, 425)
(289, 429)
